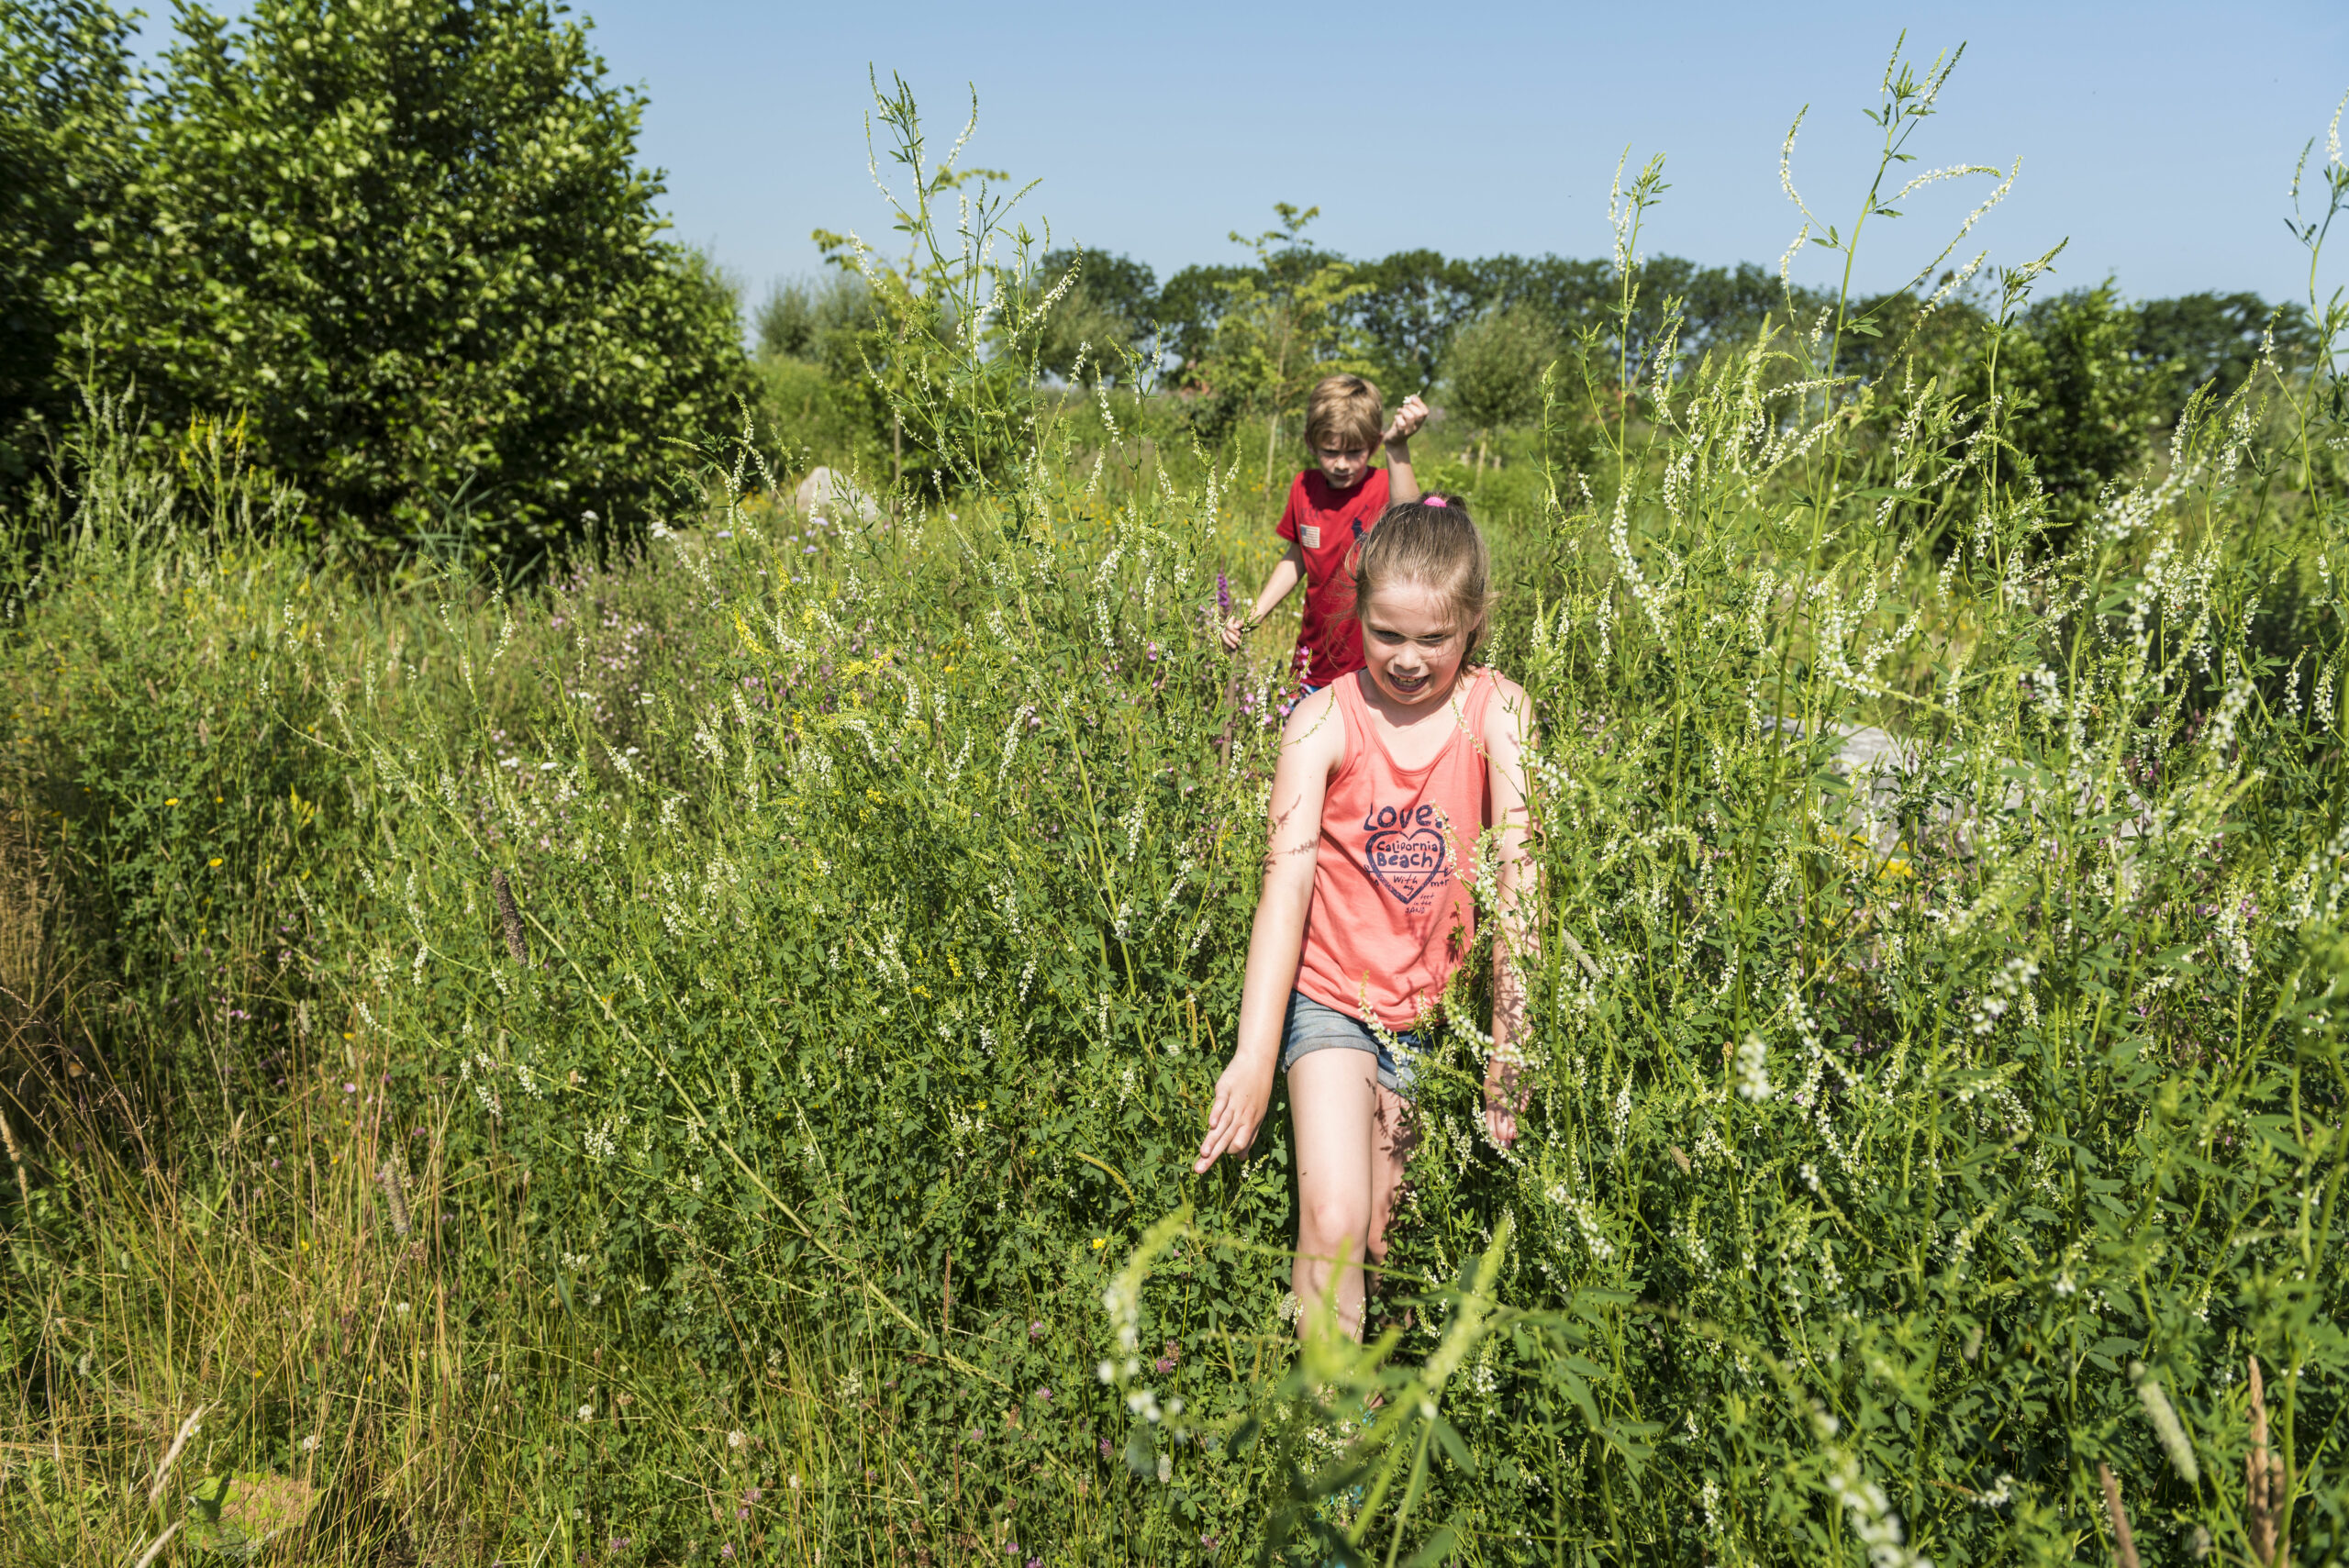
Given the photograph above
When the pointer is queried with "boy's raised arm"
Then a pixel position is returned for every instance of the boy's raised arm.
(1402, 484)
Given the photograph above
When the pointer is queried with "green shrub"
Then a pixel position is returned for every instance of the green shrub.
(1106, 317)
(1280, 327)
(198, 831)
(811, 417)
(1492, 370)
(817, 322)
(2214, 339)
(2082, 404)
(65, 155)
(408, 243)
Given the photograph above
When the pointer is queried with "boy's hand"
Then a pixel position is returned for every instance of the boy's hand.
(1240, 1097)
(1406, 421)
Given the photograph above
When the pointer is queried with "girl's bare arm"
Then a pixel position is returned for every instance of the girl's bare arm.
(1516, 939)
(1312, 748)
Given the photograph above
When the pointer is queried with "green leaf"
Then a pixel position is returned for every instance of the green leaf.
(1438, 1547)
(1449, 1440)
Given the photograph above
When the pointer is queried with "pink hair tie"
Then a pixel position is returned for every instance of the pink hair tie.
(1434, 501)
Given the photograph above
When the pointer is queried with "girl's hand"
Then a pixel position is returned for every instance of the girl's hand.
(1240, 1097)
(1406, 421)
(1233, 630)
(1503, 1100)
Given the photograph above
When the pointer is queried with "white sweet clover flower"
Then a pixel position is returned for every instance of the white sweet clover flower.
(1754, 1069)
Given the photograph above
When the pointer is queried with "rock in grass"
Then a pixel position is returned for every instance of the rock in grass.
(830, 495)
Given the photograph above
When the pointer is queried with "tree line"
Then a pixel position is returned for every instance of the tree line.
(2089, 376)
(404, 254)
(1470, 329)
(1413, 305)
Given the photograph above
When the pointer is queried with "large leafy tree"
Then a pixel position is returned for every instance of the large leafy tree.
(2206, 338)
(1189, 304)
(1283, 325)
(815, 320)
(1492, 370)
(1414, 302)
(66, 81)
(1109, 312)
(408, 240)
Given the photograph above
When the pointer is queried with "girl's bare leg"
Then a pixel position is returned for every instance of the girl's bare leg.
(1350, 1136)
(1392, 1134)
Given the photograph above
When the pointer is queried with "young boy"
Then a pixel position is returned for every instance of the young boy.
(1331, 506)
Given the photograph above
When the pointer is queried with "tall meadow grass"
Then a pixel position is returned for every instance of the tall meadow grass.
(698, 1060)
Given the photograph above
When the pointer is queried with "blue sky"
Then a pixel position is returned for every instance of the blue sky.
(2159, 137)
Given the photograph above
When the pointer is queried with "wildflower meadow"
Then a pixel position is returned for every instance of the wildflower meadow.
(696, 1056)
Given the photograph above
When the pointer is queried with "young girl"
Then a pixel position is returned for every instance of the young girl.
(1386, 780)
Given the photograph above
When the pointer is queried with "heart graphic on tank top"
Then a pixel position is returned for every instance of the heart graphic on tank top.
(1406, 862)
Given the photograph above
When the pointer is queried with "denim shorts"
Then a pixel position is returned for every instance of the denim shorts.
(1312, 1027)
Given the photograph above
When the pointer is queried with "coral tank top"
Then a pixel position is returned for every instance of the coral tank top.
(1392, 915)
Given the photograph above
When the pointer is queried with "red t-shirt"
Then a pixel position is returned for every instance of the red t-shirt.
(1324, 523)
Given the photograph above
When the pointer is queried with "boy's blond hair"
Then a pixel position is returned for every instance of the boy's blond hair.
(1345, 408)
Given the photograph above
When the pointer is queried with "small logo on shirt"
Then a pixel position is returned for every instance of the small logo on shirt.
(1309, 535)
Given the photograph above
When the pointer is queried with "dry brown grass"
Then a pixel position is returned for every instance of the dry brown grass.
(25, 898)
